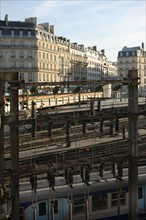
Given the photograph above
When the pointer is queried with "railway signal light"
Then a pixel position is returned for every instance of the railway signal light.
(68, 174)
(50, 130)
(33, 115)
(84, 127)
(83, 173)
(1, 194)
(68, 141)
(87, 176)
(70, 178)
(120, 171)
(51, 179)
(68, 131)
(111, 128)
(33, 181)
(123, 132)
(101, 170)
(114, 168)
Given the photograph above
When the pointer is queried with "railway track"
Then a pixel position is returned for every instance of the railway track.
(26, 142)
(93, 155)
(42, 153)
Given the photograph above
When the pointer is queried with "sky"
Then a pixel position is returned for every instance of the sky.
(107, 24)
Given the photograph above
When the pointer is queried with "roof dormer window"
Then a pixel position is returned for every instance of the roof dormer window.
(0, 33)
(12, 33)
(29, 33)
(21, 33)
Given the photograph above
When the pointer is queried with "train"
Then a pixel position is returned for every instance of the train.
(98, 198)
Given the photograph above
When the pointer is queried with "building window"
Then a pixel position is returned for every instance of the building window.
(29, 54)
(133, 53)
(1, 54)
(21, 44)
(21, 76)
(44, 77)
(13, 43)
(1, 65)
(13, 54)
(29, 65)
(29, 43)
(29, 77)
(13, 65)
(40, 77)
(144, 80)
(51, 78)
(127, 53)
(21, 65)
(21, 54)
(55, 77)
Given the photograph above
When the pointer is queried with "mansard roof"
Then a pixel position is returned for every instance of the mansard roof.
(15, 24)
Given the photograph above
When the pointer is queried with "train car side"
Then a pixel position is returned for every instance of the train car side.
(104, 199)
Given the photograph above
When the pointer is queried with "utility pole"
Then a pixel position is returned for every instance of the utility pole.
(14, 149)
(133, 146)
(2, 104)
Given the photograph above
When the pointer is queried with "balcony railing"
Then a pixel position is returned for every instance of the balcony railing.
(18, 46)
(77, 62)
(19, 68)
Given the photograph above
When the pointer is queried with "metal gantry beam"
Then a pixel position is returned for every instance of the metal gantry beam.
(124, 81)
(133, 144)
(14, 146)
(132, 82)
(1, 133)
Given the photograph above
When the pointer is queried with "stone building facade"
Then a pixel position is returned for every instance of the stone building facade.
(39, 55)
(133, 58)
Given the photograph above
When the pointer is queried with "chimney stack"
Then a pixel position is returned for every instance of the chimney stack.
(6, 19)
(52, 28)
